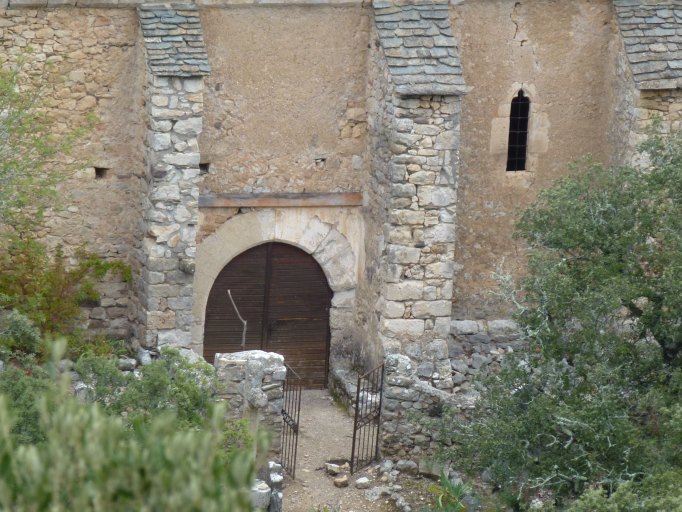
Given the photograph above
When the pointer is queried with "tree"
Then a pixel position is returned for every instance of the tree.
(594, 400)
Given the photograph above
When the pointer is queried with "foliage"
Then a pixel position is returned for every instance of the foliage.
(45, 288)
(449, 495)
(79, 344)
(170, 385)
(32, 159)
(660, 491)
(18, 333)
(21, 385)
(59, 453)
(92, 461)
(592, 402)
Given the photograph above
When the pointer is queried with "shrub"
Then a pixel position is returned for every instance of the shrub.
(171, 384)
(22, 384)
(92, 461)
(657, 492)
(18, 333)
(45, 288)
(592, 401)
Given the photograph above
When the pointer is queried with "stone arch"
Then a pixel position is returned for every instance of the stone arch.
(322, 240)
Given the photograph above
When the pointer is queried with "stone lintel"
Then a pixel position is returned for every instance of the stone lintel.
(280, 200)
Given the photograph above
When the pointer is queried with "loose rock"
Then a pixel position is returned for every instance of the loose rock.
(341, 481)
(362, 483)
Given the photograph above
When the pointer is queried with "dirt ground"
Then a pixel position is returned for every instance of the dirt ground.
(326, 433)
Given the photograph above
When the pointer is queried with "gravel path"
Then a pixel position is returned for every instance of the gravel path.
(326, 434)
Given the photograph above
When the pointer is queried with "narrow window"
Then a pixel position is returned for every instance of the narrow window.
(518, 133)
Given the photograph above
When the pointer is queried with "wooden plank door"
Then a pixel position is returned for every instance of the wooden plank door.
(283, 294)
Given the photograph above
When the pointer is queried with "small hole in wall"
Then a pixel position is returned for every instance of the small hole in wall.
(204, 168)
(101, 173)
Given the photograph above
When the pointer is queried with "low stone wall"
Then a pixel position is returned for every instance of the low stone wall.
(252, 383)
(411, 391)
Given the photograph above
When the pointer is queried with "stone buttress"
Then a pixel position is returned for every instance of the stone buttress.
(176, 64)
(416, 87)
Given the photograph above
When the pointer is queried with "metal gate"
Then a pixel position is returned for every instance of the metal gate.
(291, 411)
(366, 428)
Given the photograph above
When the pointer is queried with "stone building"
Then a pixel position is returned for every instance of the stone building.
(364, 160)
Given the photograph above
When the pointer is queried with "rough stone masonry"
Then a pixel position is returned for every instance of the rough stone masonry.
(177, 62)
(400, 139)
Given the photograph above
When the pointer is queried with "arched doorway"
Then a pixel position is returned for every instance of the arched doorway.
(284, 296)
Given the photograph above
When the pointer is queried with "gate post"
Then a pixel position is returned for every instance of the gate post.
(252, 384)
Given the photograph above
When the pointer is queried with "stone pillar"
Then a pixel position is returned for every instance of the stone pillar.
(416, 132)
(252, 383)
(420, 233)
(176, 61)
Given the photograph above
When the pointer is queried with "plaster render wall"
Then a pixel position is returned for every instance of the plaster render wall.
(285, 101)
(560, 53)
(90, 61)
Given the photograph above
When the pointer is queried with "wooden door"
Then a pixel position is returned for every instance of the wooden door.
(284, 296)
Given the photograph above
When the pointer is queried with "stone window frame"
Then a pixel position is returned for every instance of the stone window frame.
(517, 153)
(538, 129)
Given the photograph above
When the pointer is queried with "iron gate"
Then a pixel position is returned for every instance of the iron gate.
(291, 411)
(366, 428)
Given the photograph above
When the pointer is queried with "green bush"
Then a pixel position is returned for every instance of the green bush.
(22, 384)
(170, 384)
(91, 461)
(18, 333)
(655, 493)
(592, 402)
(44, 288)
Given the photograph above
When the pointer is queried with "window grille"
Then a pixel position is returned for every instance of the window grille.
(518, 133)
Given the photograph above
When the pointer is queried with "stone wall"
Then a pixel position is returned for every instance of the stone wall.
(252, 385)
(89, 62)
(176, 60)
(475, 348)
(285, 101)
(562, 55)
(417, 181)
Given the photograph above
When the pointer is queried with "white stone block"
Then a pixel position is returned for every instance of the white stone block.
(314, 233)
(465, 327)
(182, 159)
(407, 290)
(190, 126)
(503, 327)
(411, 328)
(193, 84)
(435, 196)
(169, 192)
(175, 338)
(432, 308)
(403, 254)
